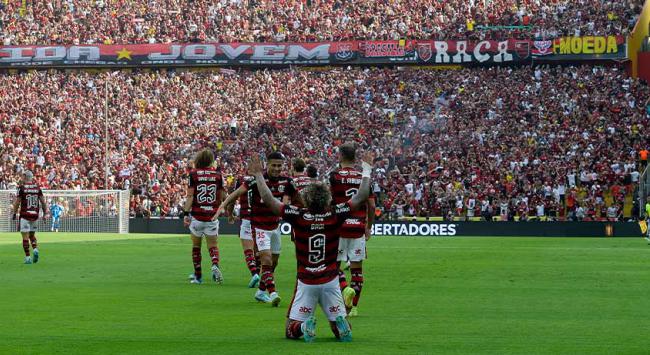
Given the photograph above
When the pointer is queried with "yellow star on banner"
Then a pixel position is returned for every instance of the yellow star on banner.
(124, 54)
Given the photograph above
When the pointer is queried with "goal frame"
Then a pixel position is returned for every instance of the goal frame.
(118, 223)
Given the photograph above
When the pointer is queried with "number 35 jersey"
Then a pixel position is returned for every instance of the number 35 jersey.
(207, 184)
(261, 215)
(317, 241)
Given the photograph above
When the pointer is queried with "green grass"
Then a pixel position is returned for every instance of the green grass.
(113, 294)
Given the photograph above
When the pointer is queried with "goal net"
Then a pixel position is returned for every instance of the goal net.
(644, 191)
(89, 211)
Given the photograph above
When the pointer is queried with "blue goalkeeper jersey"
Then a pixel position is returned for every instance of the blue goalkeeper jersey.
(56, 211)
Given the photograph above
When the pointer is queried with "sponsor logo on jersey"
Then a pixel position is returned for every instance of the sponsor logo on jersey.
(315, 269)
(352, 221)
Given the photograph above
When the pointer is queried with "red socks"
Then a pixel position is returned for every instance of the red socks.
(356, 284)
(250, 261)
(343, 282)
(26, 246)
(267, 278)
(293, 329)
(214, 255)
(32, 239)
(196, 260)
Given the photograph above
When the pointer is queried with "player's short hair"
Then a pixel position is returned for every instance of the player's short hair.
(28, 175)
(348, 151)
(312, 172)
(275, 155)
(317, 197)
(203, 159)
(298, 165)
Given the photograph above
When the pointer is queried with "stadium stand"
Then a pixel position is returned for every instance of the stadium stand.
(565, 137)
(32, 22)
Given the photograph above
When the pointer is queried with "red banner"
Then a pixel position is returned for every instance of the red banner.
(318, 53)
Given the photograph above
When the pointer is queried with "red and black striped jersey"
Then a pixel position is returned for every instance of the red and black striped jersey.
(317, 241)
(244, 205)
(29, 195)
(260, 215)
(301, 181)
(207, 184)
(344, 183)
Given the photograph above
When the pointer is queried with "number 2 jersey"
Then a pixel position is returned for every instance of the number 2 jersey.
(317, 241)
(301, 181)
(207, 184)
(260, 215)
(344, 183)
(29, 195)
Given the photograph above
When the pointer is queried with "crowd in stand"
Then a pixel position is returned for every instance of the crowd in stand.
(32, 22)
(556, 142)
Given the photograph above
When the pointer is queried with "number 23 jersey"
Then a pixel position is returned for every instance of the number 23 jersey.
(317, 241)
(207, 184)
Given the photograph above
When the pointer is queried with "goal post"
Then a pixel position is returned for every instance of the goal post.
(644, 191)
(85, 211)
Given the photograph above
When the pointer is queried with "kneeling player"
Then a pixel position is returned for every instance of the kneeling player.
(317, 240)
(204, 194)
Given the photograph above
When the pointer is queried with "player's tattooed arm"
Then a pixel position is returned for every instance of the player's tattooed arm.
(359, 199)
(255, 169)
(229, 200)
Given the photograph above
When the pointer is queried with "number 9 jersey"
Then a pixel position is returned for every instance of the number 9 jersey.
(317, 241)
(208, 186)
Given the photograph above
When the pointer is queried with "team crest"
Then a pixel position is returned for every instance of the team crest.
(424, 51)
(542, 47)
(344, 51)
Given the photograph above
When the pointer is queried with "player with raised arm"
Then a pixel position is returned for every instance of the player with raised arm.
(245, 232)
(56, 211)
(30, 200)
(301, 180)
(354, 233)
(265, 226)
(317, 240)
(204, 194)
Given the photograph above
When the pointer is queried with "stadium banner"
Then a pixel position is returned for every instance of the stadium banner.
(431, 229)
(267, 54)
(580, 48)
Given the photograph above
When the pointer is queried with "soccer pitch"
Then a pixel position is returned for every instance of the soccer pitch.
(110, 294)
